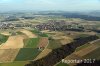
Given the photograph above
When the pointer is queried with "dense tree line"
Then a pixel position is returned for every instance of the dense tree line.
(65, 28)
(98, 31)
(85, 17)
(60, 53)
(28, 17)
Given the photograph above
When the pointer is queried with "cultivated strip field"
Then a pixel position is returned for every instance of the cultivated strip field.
(26, 54)
(86, 50)
(65, 40)
(43, 42)
(43, 54)
(15, 63)
(28, 33)
(94, 54)
(13, 42)
(8, 55)
(10, 50)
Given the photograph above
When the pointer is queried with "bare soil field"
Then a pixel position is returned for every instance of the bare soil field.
(8, 55)
(43, 42)
(65, 40)
(28, 33)
(13, 42)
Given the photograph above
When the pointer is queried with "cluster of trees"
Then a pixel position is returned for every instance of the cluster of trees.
(63, 28)
(3, 38)
(60, 53)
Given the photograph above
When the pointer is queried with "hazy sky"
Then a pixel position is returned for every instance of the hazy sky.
(66, 5)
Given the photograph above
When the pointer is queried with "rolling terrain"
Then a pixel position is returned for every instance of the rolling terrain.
(44, 39)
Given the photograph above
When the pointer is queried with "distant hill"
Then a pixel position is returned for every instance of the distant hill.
(94, 13)
(95, 16)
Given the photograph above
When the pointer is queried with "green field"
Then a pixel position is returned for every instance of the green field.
(40, 34)
(20, 33)
(81, 35)
(31, 42)
(17, 63)
(3, 38)
(27, 54)
(53, 44)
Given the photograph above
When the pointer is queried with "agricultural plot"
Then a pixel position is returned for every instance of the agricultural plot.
(53, 44)
(86, 50)
(28, 33)
(43, 42)
(94, 45)
(94, 54)
(44, 38)
(74, 35)
(40, 34)
(43, 53)
(81, 35)
(31, 42)
(3, 38)
(82, 47)
(13, 42)
(27, 54)
(8, 55)
(20, 33)
(15, 63)
(65, 40)
(97, 43)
